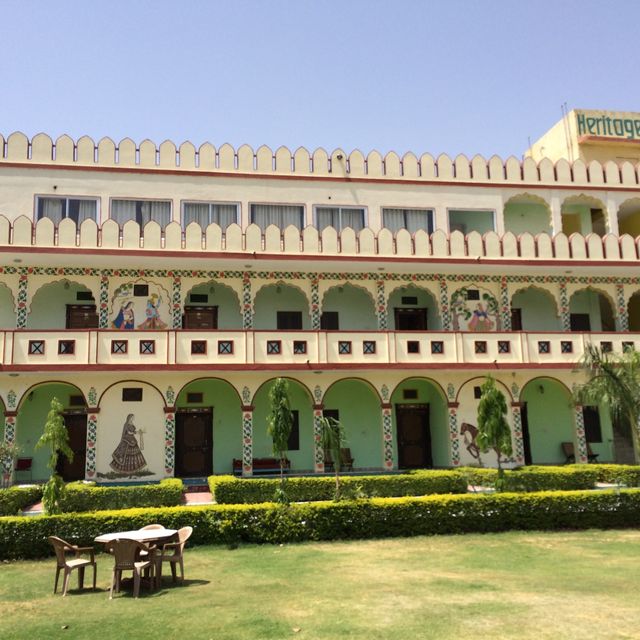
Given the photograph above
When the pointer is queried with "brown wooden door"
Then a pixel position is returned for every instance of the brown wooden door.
(414, 436)
(194, 443)
(200, 318)
(411, 319)
(76, 424)
(82, 316)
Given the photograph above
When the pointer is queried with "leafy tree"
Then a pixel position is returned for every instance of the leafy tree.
(494, 431)
(8, 454)
(333, 439)
(279, 422)
(56, 437)
(614, 381)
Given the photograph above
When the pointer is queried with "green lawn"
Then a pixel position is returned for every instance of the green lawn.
(512, 585)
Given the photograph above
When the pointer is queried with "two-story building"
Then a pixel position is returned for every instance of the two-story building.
(158, 291)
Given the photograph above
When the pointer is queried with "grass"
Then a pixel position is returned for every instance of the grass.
(512, 585)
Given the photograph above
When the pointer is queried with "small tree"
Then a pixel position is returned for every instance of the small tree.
(55, 436)
(8, 455)
(493, 429)
(333, 439)
(279, 423)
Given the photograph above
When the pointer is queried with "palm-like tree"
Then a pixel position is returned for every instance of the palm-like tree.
(614, 381)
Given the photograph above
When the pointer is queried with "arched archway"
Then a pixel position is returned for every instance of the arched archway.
(281, 306)
(7, 308)
(629, 217)
(32, 412)
(301, 452)
(591, 310)
(534, 309)
(349, 308)
(421, 427)
(584, 214)
(208, 428)
(361, 420)
(526, 213)
(633, 308)
(62, 304)
(212, 305)
(413, 308)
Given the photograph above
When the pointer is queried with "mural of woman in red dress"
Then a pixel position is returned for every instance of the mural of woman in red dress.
(127, 457)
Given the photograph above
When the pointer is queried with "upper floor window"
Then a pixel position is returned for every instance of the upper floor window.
(57, 208)
(141, 211)
(282, 215)
(468, 221)
(340, 218)
(410, 219)
(206, 213)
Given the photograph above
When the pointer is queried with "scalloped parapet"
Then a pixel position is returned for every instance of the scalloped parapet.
(17, 149)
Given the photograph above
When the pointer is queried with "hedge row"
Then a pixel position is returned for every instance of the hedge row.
(25, 537)
(15, 499)
(80, 496)
(232, 490)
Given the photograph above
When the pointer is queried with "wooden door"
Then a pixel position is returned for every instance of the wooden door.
(200, 318)
(411, 319)
(82, 316)
(76, 424)
(414, 436)
(194, 443)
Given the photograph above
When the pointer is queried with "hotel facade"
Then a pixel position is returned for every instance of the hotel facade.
(158, 291)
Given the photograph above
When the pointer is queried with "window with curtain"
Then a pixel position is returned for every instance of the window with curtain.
(410, 219)
(340, 218)
(141, 211)
(57, 208)
(206, 213)
(282, 215)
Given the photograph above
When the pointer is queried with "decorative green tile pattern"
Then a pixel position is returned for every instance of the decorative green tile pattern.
(387, 438)
(381, 305)
(315, 304)
(92, 434)
(623, 311)
(103, 313)
(247, 442)
(581, 441)
(454, 437)
(318, 452)
(176, 302)
(169, 443)
(518, 443)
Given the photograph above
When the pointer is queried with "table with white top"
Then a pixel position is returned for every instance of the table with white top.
(141, 535)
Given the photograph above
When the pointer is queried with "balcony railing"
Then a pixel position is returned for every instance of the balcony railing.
(79, 349)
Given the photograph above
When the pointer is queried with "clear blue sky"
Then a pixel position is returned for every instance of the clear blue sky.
(450, 76)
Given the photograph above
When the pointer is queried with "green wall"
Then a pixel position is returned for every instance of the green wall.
(354, 306)
(425, 300)
(7, 313)
(630, 225)
(32, 415)
(301, 460)
(480, 221)
(429, 394)
(522, 217)
(223, 297)
(586, 301)
(361, 417)
(539, 311)
(269, 301)
(48, 306)
(577, 220)
(227, 419)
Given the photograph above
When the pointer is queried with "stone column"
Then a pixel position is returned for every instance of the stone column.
(103, 310)
(247, 440)
(318, 449)
(387, 436)
(516, 435)
(176, 302)
(9, 439)
(92, 435)
(556, 215)
(169, 441)
(315, 304)
(381, 305)
(505, 305)
(247, 302)
(612, 217)
(445, 316)
(580, 441)
(23, 293)
(565, 316)
(622, 317)
(454, 434)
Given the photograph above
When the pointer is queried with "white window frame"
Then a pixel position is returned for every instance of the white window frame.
(238, 207)
(478, 209)
(341, 208)
(430, 210)
(303, 217)
(66, 198)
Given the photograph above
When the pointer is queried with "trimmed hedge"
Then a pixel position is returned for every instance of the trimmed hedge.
(232, 490)
(80, 496)
(15, 499)
(26, 537)
(626, 474)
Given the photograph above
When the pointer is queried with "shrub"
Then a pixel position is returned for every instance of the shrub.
(26, 537)
(80, 496)
(231, 490)
(15, 499)
(537, 478)
(626, 474)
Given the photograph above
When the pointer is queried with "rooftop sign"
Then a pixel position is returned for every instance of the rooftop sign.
(608, 124)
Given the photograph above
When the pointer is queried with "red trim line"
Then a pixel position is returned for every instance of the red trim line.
(310, 177)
